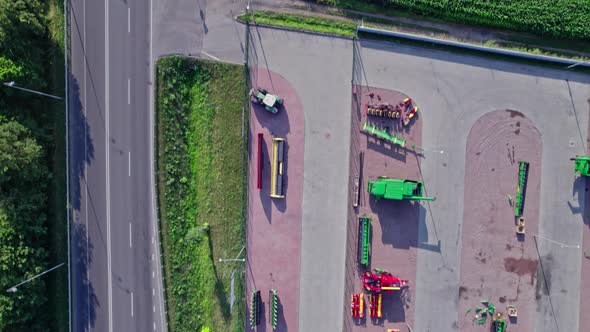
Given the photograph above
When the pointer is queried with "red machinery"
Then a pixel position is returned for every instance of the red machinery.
(259, 165)
(382, 281)
(357, 305)
(375, 301)
(404, 111)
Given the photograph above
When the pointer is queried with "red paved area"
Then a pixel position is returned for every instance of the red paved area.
(495, 264)
(585, 281)
(274, 225)
(394, 223)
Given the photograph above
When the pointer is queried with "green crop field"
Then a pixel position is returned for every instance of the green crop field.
(201, 189)
(556, 18)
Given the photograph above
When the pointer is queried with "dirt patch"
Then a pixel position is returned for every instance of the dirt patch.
(495, 263)
(521, 267)
(394, 223)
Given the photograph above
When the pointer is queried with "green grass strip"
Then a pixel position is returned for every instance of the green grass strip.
(200, 180)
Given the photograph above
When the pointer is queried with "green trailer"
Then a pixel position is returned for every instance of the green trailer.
(523, 171)
(582, 165)
(396, 189)
(364, 240)
(274, 308)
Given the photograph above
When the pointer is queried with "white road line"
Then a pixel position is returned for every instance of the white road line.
(211, 56)
(130, 242)
(108, 179)
(129, 155)
(153, 274)
(129, 19)
(154, 306)
(128, 91)
(153, 291)
(152, 173)
(131, 304)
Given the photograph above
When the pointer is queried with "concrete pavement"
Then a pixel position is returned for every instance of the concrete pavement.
(116, 268)
(453, 91)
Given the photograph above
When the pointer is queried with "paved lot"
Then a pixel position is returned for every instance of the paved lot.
(394, 223)
(454, 91)
(497, 264)
(319, 70)
(274, 224)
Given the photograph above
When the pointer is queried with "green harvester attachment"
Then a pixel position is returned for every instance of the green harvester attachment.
(384, 135)
(274, 308)
(254, 308)
(396, 189)
(364, 240)
(523, 171)
(582, 165)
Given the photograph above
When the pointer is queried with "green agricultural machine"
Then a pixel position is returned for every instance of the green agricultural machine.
(582, 165)
(269, 101)
(523, 171)
(274, 308)
(254, 308)
(396, 189)
(364, 241)
(499, 323)
(384, 135)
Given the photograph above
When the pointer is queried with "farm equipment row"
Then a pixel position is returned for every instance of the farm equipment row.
(256, 304)
(404, 111)
(375, 284)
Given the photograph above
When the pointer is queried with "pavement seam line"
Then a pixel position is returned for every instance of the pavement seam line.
(107, 148)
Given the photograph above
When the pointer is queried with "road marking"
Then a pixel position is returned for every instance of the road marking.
(211, 56)
(128, 91)
(130, 243)
(108, 179)
(152, 173)
(131, 304)
(153, 274)
(153, 291)
(129, 155)
(154, 307)
(129, 19)
(152, 243)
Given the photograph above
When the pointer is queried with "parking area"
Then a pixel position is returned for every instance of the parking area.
(429, 243)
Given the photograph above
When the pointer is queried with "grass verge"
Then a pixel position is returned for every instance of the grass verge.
(57, 281)
(347, 29)
(201, 165)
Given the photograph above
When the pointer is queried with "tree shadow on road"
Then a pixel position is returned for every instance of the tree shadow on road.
(84, 297)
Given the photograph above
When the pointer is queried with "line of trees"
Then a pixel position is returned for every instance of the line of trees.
(25, 147)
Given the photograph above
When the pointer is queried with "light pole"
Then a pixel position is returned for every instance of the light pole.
(575, 64)
(234, 259)
(14, 288)
(13, 85)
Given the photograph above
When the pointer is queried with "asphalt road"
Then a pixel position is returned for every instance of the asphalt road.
(116, 280)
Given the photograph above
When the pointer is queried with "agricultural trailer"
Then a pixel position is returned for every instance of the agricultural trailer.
(269, 101)
(364, 240)
(397, 189)
(357, 305)
(277, 169)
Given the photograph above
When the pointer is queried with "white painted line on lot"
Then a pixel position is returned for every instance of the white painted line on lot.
(131, 304)
(108, 178)
(153, 274)
(129, 19)
(129, 155)
(154, 307)
(128, 91)
(152, 243)
(211, 56)
(154, 326)
(130, 242)
(153, 291)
